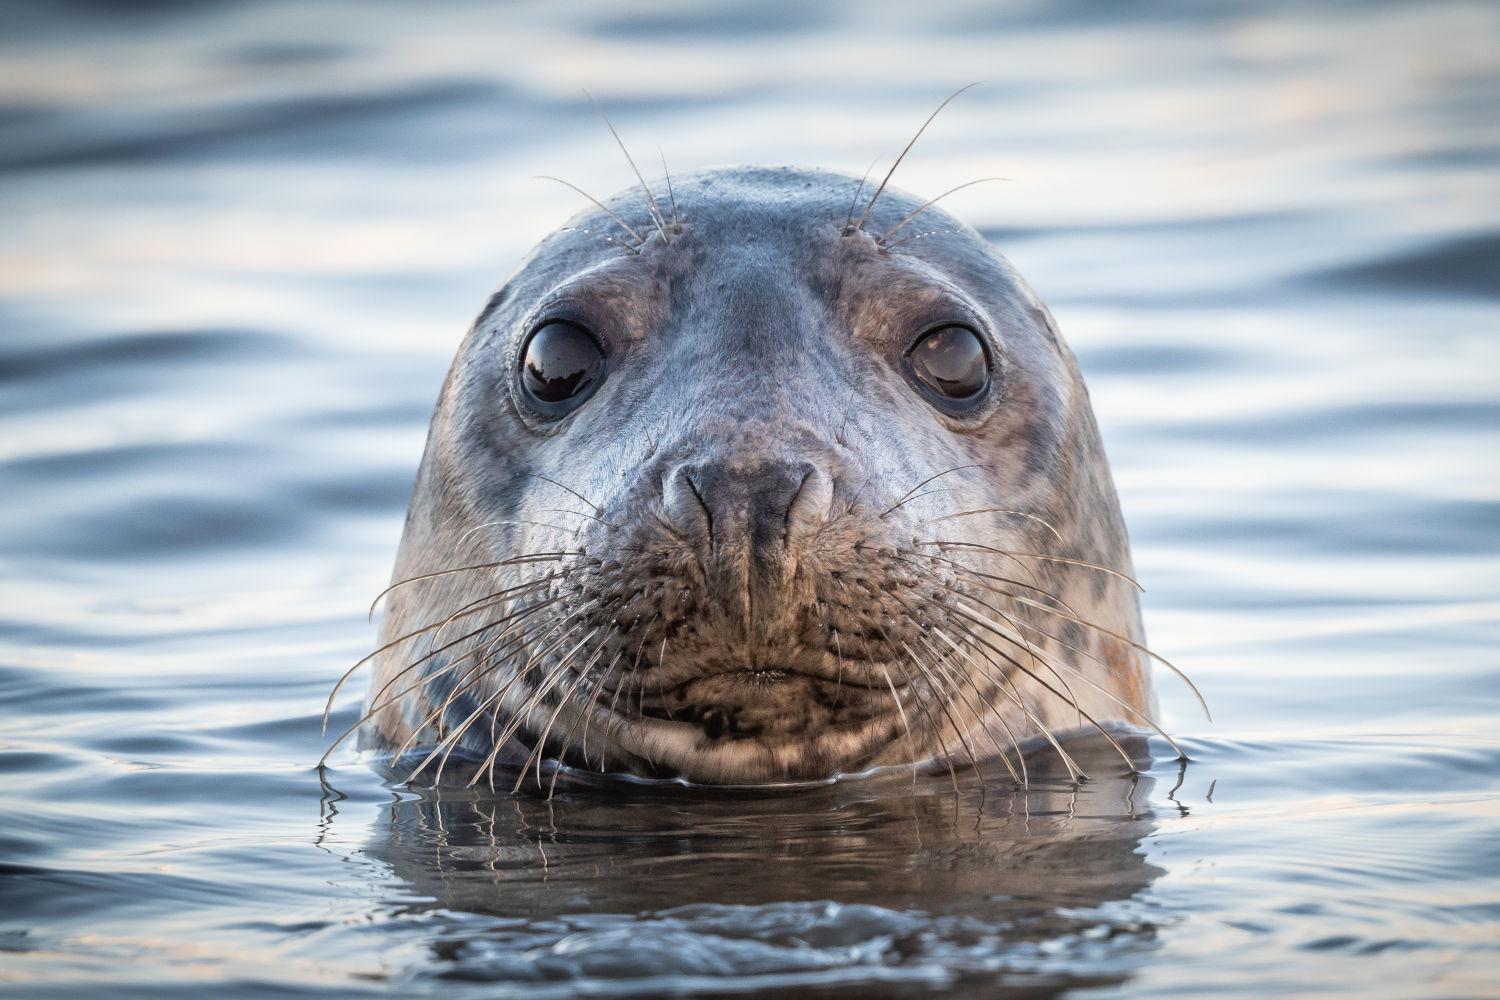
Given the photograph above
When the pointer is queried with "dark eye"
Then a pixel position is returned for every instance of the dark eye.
(560, 362)
(952, 364)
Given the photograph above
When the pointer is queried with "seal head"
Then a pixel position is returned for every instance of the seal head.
(759, 498)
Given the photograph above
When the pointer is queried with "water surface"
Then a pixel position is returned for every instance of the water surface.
(240, 244)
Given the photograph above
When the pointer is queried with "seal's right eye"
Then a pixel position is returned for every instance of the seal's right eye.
(561, 364)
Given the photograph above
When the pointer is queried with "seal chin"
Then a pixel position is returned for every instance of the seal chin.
(755, 726)
(705, 750)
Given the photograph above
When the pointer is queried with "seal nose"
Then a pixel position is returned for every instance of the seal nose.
(752, 513)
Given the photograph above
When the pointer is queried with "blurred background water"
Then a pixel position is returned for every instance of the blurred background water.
(239, 243)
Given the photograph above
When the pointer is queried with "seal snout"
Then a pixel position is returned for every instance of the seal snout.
(760, 509)
(747, 521)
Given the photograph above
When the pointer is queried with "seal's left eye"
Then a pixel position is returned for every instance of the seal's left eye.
(951, 364)
(560, 364)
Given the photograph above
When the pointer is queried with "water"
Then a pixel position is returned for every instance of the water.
(240, 244)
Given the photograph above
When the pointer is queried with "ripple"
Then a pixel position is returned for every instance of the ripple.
(1469, 265)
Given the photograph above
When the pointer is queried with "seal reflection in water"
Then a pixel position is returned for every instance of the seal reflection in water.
(754, 487)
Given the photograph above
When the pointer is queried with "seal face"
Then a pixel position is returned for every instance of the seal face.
(759, 498)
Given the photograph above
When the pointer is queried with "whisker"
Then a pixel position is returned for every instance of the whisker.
(1074, 771)
(482, 650)
(585, 715)
(493, 600)
(491, 524)
(1020, 640)
(485, 661)
(1005, 687)
(564, 699)
(892, 231)
(671, 195)
(576, 513)
(446, 745)
(568, 489)
(378, 705)
(876, 196)
(1083, 676)
(661, 224)
(978, 579)
(907, 495)
(518, 718)
(1128, 641)
(838, 652)
(942, 703)
(914, 236)
(615, 719)
(520, 560)
(997, 510)
(959, 688)
(639, 239)
(1068, 699)
(1035, 555)
(328, 705)
(911, 743)
(940, 661)
(915, 498)
(849, 219)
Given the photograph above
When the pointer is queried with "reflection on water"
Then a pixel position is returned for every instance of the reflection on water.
(240, 243)
(889, 885)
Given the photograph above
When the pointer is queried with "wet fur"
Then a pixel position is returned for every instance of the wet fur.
(954, 590)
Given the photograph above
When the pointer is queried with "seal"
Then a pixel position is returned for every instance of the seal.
(747, 490)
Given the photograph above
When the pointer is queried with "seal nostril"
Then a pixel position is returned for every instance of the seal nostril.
(685, 506)
(708, 512)
(809, 505)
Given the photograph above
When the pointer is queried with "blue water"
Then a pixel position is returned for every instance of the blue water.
(239, 243)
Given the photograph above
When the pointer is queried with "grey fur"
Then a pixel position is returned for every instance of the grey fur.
(763, 346)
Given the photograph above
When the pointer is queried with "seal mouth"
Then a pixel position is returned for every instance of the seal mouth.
(767, 703)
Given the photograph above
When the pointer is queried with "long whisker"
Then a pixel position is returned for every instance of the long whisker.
(1069, 698)
(1006, 688)
(997, 510)
(1031, 650)
(907, 495)
(539, 750)
(911, 743)
(876, 196)
(977, 578)
(918, 496)
(378, 701)
(484, 649)
(849, 218)
(907, 239)
(1074, 771)
(944, 545)
(446, 745)
(942, 704)
(568, 489)
(549, 681)
(928, 204)
(328, 705)
(1128, 641)
(639, 239)
(661, 223)
(584, 715)
(957, 684)
(485, 661)
(671, 195)
(1056, 662)
(916, 757)
(520, 560)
